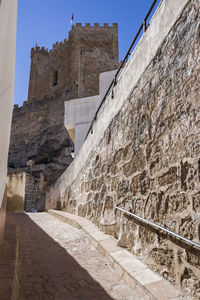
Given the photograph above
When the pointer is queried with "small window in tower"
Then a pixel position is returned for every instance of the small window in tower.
(55, 78)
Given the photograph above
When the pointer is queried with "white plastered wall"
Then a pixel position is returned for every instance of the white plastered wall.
(80, 112)
(78, 116)
(8, 18)
(105, 79)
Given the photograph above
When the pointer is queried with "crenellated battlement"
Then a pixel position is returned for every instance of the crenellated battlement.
(59, 46)
(45, 52)
(18, 108)
(39, 51)
(53, 70)
(97, 25)
(86, 28)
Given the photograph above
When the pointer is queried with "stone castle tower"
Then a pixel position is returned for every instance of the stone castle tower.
(69, 70)
(74, 65)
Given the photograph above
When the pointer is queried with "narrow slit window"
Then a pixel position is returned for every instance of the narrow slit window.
(55, 78)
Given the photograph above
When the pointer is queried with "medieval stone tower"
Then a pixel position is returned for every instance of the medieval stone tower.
(74, 65)
(69, 70)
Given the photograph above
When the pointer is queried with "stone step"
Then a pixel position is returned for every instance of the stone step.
(148, 284)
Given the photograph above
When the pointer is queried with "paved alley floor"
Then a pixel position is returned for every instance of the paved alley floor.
(54, 261)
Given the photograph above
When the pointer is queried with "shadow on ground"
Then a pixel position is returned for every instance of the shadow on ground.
(35, 267)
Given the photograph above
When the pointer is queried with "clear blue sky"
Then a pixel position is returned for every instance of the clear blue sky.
(48, 21)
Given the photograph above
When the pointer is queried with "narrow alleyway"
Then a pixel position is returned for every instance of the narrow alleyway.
(45, 258)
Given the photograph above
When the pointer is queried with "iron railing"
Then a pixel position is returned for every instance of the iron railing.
(160, 228)
(143, 27)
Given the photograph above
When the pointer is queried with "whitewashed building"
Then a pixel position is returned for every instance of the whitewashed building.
(8, 18)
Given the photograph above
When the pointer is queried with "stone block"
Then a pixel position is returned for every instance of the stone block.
(146, 276)
(162, 290)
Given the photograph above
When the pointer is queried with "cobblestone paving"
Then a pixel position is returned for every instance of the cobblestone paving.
(58, 262)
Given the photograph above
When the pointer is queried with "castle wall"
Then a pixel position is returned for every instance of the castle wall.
(38, 134)
(75, 64)
(143, 154)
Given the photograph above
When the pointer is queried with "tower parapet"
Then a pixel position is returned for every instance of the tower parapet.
(105, 25)
(75, 63)
(39, 51)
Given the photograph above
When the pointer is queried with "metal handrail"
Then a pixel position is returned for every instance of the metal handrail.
(114, 81)
(159, 227)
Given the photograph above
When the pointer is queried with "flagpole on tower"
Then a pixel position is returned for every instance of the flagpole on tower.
(72, 19)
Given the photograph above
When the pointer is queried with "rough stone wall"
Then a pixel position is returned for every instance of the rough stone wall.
(38, 133)
(78, 61)
(148, 161)
(34, 191)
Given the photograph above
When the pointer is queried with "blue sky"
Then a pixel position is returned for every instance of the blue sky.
(48, 21)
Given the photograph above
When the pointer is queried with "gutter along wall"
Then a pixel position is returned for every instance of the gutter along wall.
(144, 152)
